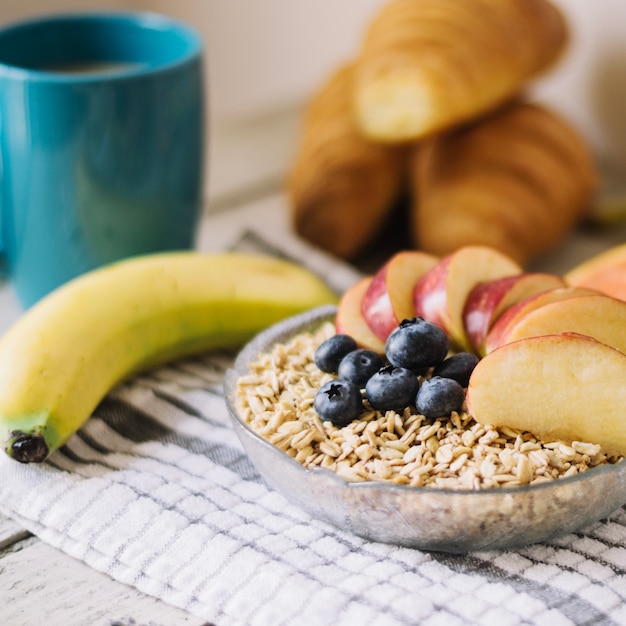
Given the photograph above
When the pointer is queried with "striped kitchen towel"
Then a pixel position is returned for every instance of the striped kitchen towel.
(157, 492)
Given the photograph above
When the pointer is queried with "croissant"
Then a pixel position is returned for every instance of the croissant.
(342, 186)
(518, 180)
(426, 65)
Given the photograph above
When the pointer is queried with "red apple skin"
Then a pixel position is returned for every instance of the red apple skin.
(562, 386)
(440, 295)
(376, 306)
(499, 329)
(489, 300)
(599, 316)
(605, 272)
(429, 295)
(350, 321)
(389, 298)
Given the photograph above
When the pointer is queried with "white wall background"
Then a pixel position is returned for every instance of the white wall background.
(266, 56)
(262, 53)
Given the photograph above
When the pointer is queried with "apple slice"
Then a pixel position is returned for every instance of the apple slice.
(599, 316)
(605, 272)
(440, 295)
(389, 298)
(563, 386)
(514, 312)
(350, 321)
(488, 300)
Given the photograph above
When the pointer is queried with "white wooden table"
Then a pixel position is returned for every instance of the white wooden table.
(39, 584)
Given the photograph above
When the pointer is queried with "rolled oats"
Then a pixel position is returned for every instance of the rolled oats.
(276, 400)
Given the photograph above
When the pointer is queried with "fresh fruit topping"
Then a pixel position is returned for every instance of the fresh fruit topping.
(605, 272)
(392, 388)
(598, 316)
(438, 397)
(440, 295)
(417, 344)
(392, 381)
(359, 365)
(565, 386)
(330, 352)
(501, 327)
(350, 320)
(459, 367)
(488, 300)
(389, 297)
(475, 303)
(339, 401)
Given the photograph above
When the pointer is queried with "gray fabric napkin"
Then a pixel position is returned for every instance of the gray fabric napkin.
(156, 491)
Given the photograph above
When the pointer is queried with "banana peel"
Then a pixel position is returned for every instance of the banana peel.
(67, 352)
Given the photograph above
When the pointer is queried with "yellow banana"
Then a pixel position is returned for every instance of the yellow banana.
(64, 354)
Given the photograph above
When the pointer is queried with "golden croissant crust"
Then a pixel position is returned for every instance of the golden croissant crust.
(342, 186)
(431, 105)
(517, 180)
(426, 65)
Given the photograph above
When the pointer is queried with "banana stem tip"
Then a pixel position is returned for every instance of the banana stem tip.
(28, 448)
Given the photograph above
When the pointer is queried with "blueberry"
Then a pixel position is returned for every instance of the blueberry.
(359, 365)
(392, 388)
(417, 344)
(330, 352)
(459, 367)
(339, 401)
(438, 397)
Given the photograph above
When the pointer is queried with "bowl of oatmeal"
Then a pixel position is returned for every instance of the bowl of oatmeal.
(440, 483)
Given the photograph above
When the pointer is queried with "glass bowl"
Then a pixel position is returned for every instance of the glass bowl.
(422, 517)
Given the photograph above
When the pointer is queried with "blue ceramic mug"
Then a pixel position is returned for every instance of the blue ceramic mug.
(101, 143)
